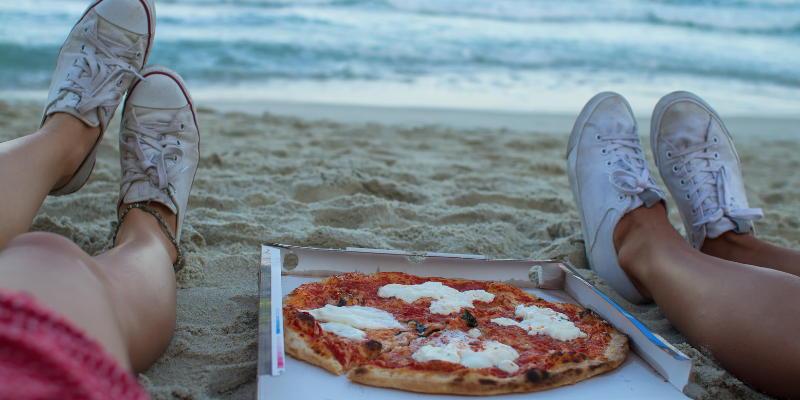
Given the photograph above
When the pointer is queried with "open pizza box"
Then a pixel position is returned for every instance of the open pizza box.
(653, 370)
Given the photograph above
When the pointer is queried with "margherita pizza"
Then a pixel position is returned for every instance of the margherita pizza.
(435, 335)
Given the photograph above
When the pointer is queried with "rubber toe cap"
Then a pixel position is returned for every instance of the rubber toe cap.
(130, 15)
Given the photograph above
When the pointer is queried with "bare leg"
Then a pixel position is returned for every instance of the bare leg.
(747, 249)
(33, 165)
(746, 316)
(126, 297)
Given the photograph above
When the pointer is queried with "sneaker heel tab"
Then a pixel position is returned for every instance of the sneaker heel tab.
(743, 226)
(650, 198)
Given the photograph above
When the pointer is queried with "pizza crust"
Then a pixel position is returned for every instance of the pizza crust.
(299, 348)
(478, 383)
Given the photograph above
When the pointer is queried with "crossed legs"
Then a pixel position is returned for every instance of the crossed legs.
(125, 297)
(740, 300)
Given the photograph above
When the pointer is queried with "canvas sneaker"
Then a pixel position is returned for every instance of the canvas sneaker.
(609, 178)
(699, 165)
(99, 61)
(159, 144)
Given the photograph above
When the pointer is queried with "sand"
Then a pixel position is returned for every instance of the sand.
(344, 182)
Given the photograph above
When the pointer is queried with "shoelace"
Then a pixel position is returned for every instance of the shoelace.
(631, 176)
(152, 137)
(96, 72)
(710, 186)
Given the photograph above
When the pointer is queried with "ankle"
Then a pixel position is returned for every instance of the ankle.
(633, 239)
(729, 245)
(139, 224)
(75, 137)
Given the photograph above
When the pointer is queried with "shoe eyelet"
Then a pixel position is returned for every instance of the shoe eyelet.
(75, 62)
(675, 169)
(669, 154)
(621, 197)
(68, 75)
(715, 139)
(179, 142)
(694, 211)
(119, 82)
(175, 158)
(716, 156)
(85, 30)
(688, 196)
(138, 55)
(83, 47)
(682, 182)
(608, 163)
(597, 137)
(603, 151)
(181, 126)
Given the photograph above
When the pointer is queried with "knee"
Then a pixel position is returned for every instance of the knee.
(44, 243)
(44, 251)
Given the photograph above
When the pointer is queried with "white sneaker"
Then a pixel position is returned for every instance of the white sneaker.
(97, 64)
(609, 178)
(698, 163)
(159, 144)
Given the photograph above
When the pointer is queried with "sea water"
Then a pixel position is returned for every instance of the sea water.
(743, 56)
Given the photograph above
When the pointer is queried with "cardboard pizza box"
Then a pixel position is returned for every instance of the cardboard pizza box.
(653, 370)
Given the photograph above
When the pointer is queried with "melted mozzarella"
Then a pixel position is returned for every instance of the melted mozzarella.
(343, 330)
(543, 320)
(349, 321)
(458, 347)
(446, 299)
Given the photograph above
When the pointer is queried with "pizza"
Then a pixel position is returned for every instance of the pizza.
(436, 335)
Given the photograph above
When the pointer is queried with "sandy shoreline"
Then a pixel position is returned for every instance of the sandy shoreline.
(465, 186)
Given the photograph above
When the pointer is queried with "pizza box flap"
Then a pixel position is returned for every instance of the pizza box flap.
(654, 369)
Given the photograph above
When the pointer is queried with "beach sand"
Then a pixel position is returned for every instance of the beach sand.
(417, 184)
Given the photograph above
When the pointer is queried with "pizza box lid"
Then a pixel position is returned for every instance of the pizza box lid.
(653, 370)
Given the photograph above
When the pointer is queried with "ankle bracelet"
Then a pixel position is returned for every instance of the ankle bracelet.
(179, 262)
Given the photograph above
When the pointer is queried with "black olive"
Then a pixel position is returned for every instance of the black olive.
(421, 329)
(469, 319)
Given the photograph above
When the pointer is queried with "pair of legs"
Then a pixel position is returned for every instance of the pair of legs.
(125, 297)
(738, 297)
(728, 292)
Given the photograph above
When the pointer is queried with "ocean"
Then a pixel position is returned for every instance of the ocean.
(512, 55)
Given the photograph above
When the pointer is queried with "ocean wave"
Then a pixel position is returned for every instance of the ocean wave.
(757, 17)
(743, 17)
(409, 40)
(208, 61)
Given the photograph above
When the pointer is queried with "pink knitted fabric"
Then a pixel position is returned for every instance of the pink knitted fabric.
(44, 356)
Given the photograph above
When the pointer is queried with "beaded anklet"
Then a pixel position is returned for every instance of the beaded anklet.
(179, 262)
